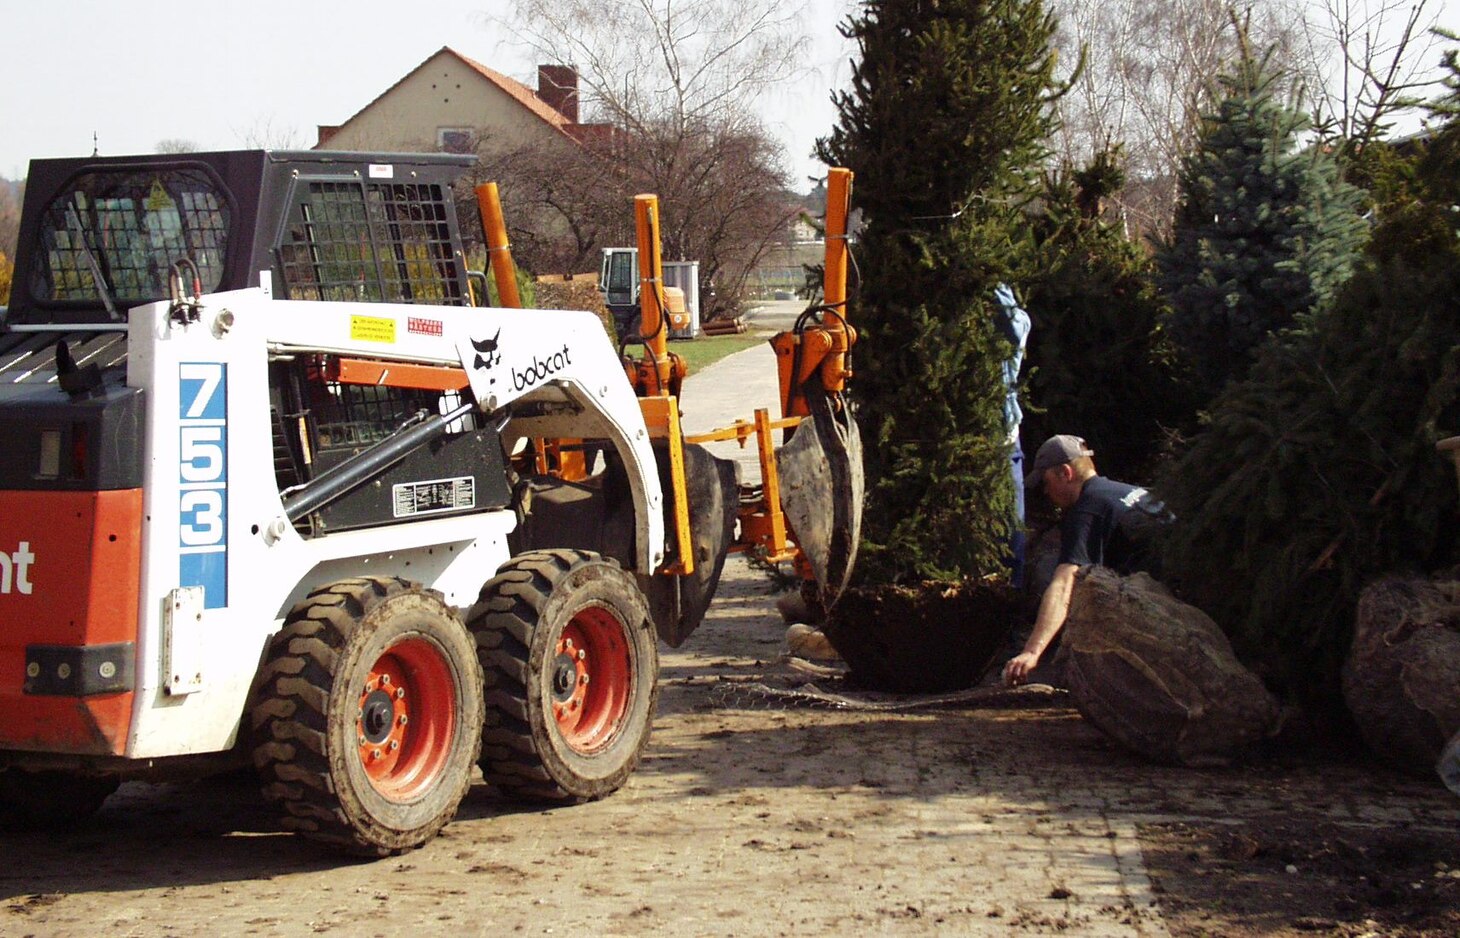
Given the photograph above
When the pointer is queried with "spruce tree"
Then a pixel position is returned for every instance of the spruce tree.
(944, 128)
(1264, 231)
(1318, 472)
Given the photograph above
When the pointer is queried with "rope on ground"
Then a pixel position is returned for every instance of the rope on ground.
(757, 695)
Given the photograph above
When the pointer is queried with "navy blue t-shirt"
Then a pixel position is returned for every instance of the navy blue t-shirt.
(1098, 528)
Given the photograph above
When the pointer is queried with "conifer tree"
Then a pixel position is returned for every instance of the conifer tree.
(944, 128)
(1318, 472)
(1263, 231)
(1099, 367)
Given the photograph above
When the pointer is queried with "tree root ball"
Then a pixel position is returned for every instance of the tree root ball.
(1402, 677)
(925, 638)
(1449, 764)
(1158, 676)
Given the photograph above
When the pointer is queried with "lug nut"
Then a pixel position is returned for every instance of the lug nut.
(385, 680)
(583, 679)
(375, 753)
(400, 693)
(362, 742)
(394, 745)
(582, 653)
(402, 719)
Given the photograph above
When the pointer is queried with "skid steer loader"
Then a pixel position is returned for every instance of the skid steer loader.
(272, 489)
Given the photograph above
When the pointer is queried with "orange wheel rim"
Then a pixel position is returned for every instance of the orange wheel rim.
(406, 719)
(592, 679)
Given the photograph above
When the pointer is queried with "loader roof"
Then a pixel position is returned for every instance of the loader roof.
(322, 225)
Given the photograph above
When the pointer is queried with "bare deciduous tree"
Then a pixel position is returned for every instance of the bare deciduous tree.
(1149, 69)
(11, 196)
(1147, 77)
(564, 202)
(265, 134)
(174, 145)
(684, 62)
(1375, 58)
(676, 84)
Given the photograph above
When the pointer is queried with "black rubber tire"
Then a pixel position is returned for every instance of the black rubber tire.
(519, 623)
(34, 801)
(310, 715)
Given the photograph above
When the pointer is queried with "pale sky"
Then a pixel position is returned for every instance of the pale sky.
(223, 74)
(219, 72)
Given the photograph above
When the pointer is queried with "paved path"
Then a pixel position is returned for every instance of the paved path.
(729, 390)
(912, 834)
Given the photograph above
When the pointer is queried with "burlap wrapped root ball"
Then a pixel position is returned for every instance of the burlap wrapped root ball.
(1449, 764)
(1402, 677)
(1157, 675)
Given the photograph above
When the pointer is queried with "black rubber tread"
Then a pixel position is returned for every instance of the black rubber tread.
(516, 622)
(291, 719)
(33, 801)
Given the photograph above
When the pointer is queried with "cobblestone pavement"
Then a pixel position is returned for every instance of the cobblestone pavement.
(746, 818)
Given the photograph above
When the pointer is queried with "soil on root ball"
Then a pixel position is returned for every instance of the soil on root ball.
(928, 637)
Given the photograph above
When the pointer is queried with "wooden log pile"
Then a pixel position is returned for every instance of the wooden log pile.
(573, 291)
(735, 326)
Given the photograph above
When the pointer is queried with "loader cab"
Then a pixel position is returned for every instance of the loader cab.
(618, 281)
(618, 277)
(102, 235)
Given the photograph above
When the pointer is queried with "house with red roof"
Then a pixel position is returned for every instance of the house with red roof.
(450, 102)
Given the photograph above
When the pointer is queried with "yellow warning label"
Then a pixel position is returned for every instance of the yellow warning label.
(157, 198)
(372, 329)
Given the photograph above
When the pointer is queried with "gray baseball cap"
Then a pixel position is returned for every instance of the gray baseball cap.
(1055, 451)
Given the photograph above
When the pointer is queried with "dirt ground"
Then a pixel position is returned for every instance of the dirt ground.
(752, 817)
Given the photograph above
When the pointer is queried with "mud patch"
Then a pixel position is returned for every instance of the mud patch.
(1284, 876)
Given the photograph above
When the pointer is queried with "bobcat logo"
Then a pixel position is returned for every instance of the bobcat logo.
(487, 354)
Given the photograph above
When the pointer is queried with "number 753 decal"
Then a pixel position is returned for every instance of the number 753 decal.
(203, 479)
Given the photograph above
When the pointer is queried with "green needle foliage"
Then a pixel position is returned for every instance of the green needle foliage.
(944, 128)
(1318, 472)
(1097, 364)
(1263, 232)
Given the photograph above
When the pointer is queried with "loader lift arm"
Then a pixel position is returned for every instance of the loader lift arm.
(808, 506)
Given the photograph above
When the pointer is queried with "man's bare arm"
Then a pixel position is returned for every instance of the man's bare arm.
(1053, 609)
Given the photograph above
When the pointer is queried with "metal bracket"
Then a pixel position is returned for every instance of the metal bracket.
(182, 641)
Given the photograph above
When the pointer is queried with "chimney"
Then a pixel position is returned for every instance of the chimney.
(557, 86)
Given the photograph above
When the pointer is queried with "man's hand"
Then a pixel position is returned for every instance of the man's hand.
(1016, 672)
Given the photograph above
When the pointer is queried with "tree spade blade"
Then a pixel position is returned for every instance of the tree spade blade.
(822, 488)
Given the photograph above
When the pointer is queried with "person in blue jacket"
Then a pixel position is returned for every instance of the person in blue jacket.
(1014, 324)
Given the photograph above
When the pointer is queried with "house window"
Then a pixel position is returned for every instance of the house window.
(456, 139)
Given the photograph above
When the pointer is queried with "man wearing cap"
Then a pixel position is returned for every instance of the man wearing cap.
(1100, 525)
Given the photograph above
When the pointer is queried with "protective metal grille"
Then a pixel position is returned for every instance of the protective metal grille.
(348, 417)
(371, 242)
(133, 226)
